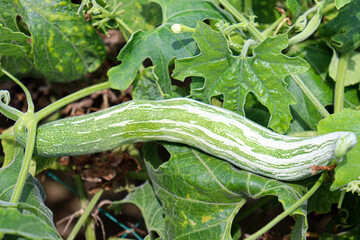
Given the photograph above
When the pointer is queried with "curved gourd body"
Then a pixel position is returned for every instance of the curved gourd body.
(212, 129)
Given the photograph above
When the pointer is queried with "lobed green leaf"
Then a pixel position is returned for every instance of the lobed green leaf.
(161, 45)
(145, 199)
(233, 77)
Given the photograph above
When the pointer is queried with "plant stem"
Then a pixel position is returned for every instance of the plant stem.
(278, 21)
(340, 82)
(341, 199)
(288, 211)
(89, 223)
(30, 122)
(125, 26)
(329, 7)
(248, 6)
(113, 12)
(7, 110)
(238, 16)
(30, 143)
(70, 98)
(310, 95)
(86, 214)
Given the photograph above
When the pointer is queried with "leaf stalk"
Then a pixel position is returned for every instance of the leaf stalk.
(238, 16)
(246, 47)
(30, 123)
(311, 96)
(26, 91)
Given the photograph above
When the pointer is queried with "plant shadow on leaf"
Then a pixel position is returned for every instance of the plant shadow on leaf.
(177, 45)
(165, 45)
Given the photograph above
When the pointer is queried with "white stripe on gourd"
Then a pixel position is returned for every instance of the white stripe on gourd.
(214, 130)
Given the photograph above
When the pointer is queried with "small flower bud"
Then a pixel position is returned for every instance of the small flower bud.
(176, 28)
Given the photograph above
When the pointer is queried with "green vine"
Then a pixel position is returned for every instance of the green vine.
(238, 16)
(30, 120)
(340, 82)
(71, 98)
(288, 211)
(82, 220)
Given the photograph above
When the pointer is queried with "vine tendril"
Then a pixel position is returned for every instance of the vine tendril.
(7, 110)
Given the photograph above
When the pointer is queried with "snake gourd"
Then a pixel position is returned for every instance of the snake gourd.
(214, 130)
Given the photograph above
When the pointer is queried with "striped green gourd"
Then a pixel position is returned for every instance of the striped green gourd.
(212, 129)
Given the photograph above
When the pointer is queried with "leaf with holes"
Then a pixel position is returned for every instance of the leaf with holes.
(161, 45)
(233, 77)
(145, 199)
(11, 42)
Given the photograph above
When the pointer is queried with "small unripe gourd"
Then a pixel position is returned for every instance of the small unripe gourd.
(214, 130)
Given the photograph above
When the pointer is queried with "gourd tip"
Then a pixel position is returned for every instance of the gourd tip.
(344, 144)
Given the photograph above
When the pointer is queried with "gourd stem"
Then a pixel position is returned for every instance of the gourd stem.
(288, 211)
(238, 16)
(85, 215)
(311, 96)
(340, 82)
(30, 143)
(70, 98)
